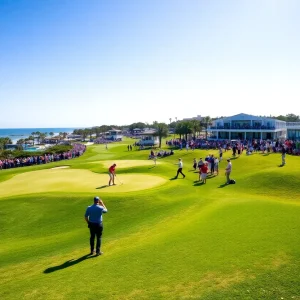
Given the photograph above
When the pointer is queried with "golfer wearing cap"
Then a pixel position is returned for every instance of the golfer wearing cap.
(93, 217)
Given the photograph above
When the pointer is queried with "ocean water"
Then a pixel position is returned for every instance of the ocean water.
(21, 133)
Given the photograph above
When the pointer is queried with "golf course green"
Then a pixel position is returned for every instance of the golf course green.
(163, 238)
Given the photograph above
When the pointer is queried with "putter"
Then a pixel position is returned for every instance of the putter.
(119, 180)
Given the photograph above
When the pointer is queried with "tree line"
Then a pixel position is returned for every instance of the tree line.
(180, 127)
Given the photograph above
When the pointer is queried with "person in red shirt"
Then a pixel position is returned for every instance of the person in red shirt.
(112, 174)
(204, 170)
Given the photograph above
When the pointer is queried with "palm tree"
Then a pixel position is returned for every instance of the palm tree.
(179, 129)
(161, 131)
(4, 142)
(33, 134)
(38, 134)
(43, 136)
(26, 141)
(186, 128)
(61, 135)
(170, 119)
(183, 128)
(195, 125)
(31, 138)
(85, 133)
(20, 143)
(97, 131)
(89, 132)
(206, 121)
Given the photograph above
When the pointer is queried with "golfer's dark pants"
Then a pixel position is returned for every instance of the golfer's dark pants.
(96, 231)
(180, 171)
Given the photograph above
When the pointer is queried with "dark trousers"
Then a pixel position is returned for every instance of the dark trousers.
(179, 171)
(95, 231)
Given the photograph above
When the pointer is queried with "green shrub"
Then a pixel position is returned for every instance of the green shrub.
(58, 149)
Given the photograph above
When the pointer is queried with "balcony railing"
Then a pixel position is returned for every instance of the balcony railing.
(246, 127)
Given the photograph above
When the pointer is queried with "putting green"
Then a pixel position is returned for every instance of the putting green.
(73, 180)
(126, 163)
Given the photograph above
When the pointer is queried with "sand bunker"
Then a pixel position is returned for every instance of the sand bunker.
(126, 163)
(74, 180)
(61, 167)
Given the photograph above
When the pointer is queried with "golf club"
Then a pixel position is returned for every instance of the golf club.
(119, 180)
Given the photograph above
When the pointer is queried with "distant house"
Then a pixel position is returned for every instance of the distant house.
(198, 118)
(137, 131)
(52, 140)
(76, 137)
(11, 146)
(114, 135)
(148, 138)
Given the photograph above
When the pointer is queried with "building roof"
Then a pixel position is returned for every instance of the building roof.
(118, 130)
(242, 116)
(148, 132)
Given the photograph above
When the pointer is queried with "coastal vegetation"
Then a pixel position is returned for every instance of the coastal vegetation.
(178, 239)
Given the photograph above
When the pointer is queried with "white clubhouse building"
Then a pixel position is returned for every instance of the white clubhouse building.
(247, 127)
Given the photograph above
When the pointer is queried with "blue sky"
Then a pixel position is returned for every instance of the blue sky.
(81, 63)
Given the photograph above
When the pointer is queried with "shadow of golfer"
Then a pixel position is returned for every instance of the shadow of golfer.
(198, 183)
(223, 185)
(152, 167)
(102, 187)
(68, 263)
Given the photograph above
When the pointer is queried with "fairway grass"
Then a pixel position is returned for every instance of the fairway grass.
(163, 238)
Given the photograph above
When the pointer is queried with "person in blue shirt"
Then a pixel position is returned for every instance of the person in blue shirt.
(93, 217)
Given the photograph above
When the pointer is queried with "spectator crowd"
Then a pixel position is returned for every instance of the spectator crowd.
(255, 145)
(76, 151)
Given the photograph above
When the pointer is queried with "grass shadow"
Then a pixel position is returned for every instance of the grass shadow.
(223, 185)
(198, 183)
(209, 176)
(102, 187)
(68, 264)
(174, 178)
(152, 167)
